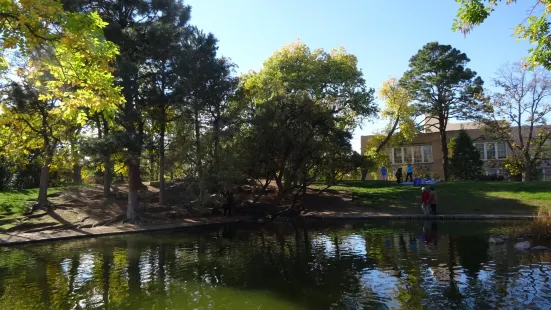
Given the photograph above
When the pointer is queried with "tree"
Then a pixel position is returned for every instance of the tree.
(133, 25)
(465, 162)
(400, 129)
(534, 28)
(167, 49)
(518, 115)
(302, 107)
(443, 87)
(70, 69)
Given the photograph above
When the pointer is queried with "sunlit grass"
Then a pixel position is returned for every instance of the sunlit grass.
(16, 202)
(454, 197)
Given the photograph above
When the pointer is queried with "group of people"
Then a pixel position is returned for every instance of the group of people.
(399, 174)
(429, 198)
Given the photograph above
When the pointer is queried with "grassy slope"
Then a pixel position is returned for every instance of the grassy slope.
(16, 202)
(455, 197)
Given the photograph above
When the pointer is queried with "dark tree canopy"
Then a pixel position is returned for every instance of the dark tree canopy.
(465, 162)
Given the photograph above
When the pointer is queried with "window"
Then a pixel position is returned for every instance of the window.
(501, 150)
(480, 148)
(417, 154)
(490, 151)
(398, 156)
(427, 153)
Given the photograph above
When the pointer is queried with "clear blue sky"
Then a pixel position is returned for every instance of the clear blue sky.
(382, 34)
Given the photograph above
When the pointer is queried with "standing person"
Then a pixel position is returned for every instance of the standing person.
(399, 175)
(433, 200)
(425, 200)
(409, 173)
(383, 172)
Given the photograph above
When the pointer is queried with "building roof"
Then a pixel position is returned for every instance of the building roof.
(429, 122)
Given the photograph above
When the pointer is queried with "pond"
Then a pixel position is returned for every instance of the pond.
(291, 265)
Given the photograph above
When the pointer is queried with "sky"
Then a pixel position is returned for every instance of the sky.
(382, 34)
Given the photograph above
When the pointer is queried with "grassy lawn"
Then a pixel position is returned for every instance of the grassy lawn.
(16, 202)
(454, 197)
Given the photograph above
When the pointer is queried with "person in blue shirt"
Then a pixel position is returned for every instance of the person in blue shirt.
(409, 173)
(383, 172)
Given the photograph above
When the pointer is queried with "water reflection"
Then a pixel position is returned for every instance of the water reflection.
(280, 266)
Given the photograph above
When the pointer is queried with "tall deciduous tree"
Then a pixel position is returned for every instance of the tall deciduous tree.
(534, 28)
(70, 61)
(401, 127)
(303, 106)
(443, 87)
(519, 114)
(465, 162)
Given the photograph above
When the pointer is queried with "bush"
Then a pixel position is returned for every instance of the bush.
(465, 162)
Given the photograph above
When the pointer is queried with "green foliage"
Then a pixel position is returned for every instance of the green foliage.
(441, 84)
(465, 162)
(443, 87)
(303, 106)
(69, 46)
(534, 28)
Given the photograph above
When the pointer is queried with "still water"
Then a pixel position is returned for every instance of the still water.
(316, 265)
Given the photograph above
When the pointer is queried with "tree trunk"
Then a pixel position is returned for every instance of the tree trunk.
(77, 174)
(216, 128)
(280, 190)
(44, 176)
(139, 153)
(527, 173)
(162, 192)
(133, 186)
(444, 148)
(107, 175)
(107, 165)
(198, 157)
(364, 174)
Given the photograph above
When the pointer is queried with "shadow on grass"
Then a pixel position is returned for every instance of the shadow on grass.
(454, 197)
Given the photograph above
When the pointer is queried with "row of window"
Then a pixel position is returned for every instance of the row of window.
(414, 154)
(423, 153)
(492, 150)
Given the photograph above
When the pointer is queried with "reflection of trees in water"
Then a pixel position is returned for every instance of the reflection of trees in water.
(338, 268)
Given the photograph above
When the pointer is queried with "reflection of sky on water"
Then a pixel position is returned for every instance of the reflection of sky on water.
(295, 269)
(529, 284)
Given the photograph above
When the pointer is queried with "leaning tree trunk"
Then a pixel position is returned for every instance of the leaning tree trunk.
(133, 186)
(162, 192)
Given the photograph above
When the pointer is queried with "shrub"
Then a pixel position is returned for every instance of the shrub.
(465, 163)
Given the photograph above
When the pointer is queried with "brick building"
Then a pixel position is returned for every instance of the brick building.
(425, 153)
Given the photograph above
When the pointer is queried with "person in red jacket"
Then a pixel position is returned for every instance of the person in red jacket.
(425, 200)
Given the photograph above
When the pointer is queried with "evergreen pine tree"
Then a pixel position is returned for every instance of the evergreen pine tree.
(465, 163)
